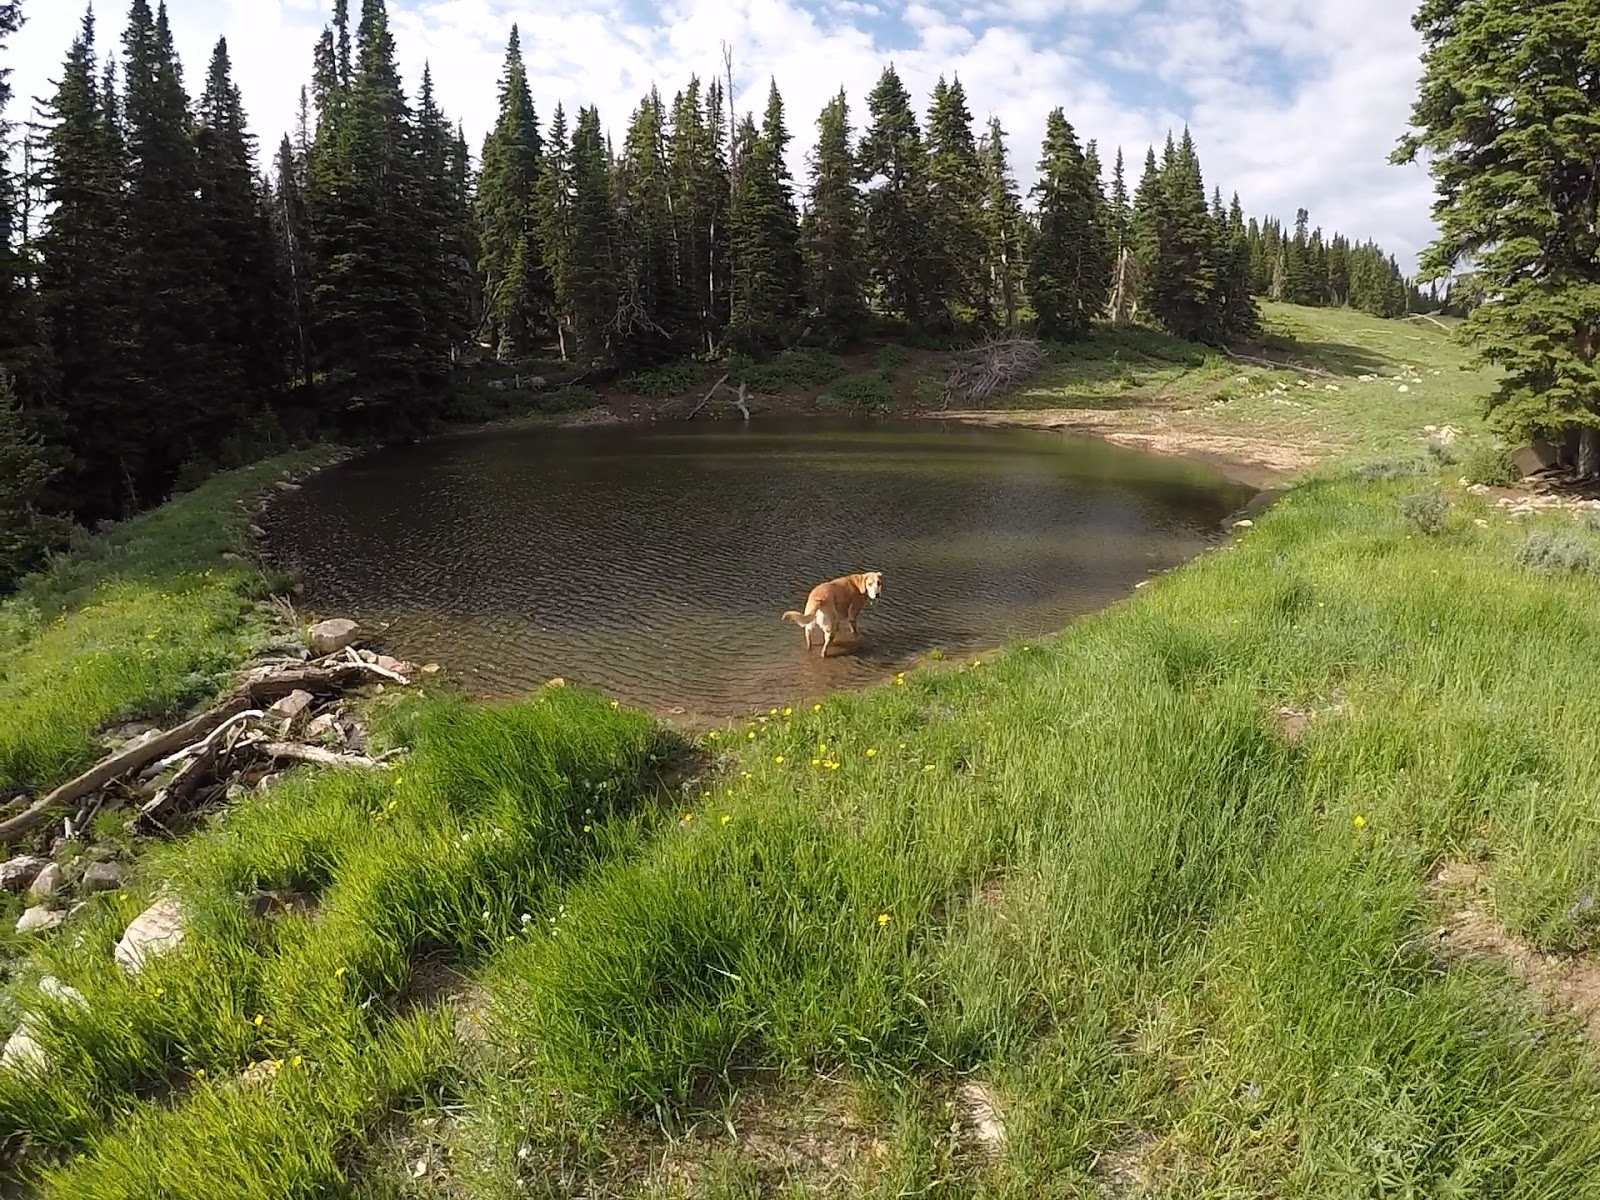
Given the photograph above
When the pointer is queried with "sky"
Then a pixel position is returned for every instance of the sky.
(1292, 102)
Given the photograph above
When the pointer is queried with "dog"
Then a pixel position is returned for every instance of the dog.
(835, 603)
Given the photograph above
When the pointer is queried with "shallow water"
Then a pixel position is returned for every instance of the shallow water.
(654, 562)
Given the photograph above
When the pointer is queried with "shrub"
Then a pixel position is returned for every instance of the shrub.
(888, 361)
(1491, 466)
(1385, 469)
(792, 371)
(669, 379)
(1560, 551)
(859, 392)
(1428, 510)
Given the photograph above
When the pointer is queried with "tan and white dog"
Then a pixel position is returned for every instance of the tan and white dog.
(835, 604)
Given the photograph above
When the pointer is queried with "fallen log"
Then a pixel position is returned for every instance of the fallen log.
(318, 680)
(1279, 366)
(299, 752)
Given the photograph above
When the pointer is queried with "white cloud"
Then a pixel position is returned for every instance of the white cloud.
(1292, 102)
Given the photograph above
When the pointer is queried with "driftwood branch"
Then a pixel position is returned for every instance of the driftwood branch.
(1279, 366)
(123, 762)
(181, 790)
(706, 399)
(297, 752)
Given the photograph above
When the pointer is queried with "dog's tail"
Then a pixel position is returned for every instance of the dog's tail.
(797, 618)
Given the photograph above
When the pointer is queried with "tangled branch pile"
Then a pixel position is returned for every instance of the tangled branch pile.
(281, 713)
(995, 365)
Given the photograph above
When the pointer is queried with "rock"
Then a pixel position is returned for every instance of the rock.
(24, 1053)
(228, 556)
(283, 485)
(330, 637)
(324, 728)
(1244, 524)
(430, 669)
(22, 1050)
(1404, 388)
(102, 877)
(17, 873)
(40, 919)
(292, 705)
(46, 884)
(257, 532)
(557, 682)
(156, 930)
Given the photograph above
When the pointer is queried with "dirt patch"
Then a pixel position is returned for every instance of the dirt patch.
(1255, 462)
(980, 1122)
(1126, 1170)
(772, 1140)
(1564, 984)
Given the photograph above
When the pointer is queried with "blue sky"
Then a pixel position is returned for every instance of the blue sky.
(1292, 102)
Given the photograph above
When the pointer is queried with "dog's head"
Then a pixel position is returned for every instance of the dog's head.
(872, 584)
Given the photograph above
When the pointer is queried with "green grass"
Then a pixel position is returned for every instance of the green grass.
(793, 370)
(1096, 871)
(136, 622)
(1384, 382)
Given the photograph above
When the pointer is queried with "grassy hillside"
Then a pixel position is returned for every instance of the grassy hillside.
(1235, 889)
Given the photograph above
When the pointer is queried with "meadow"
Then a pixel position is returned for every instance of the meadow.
(1275, 879)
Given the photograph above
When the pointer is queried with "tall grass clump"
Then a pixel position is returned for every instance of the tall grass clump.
(455, 852)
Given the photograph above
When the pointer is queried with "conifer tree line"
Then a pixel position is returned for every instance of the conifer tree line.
(174, 297)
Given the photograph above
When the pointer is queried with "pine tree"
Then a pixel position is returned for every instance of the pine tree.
(247, 327)
(83, 290)
(512, 263)
(369, 246)
(447, 247)
(1004, 229)
(699, 200)
(767, 273)
(193, 388)
(648, 303)
(1506, 117)
(1103, 235)
(832, 227)
(1065, 262)
(24, 472)
(892, 162)
(1183, 287)
(553, 207)
(1144, 226)
(291, 230)
(20, 345)
(1120, 207)
(953, 268)
(591, 258)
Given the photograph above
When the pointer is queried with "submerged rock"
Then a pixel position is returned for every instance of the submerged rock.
(155, 931)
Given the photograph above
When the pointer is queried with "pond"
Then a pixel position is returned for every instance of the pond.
(654, 562)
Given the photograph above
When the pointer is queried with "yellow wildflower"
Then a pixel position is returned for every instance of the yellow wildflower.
(751, 736)
(816, 762)
(297, 1060)
(832, 766)
(160, 992)
(339, 974)
(687, 818)
(883, 918)
(871, 753)
(773, 712)
(714, 735)
(586, 828)
(726, 818)
(260, 1017)
(900, 679)
(1360, 822)
(929, 767)
(816, 708)
(200, 1073)
(616, 704)
(788, 712)
(778, 759)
